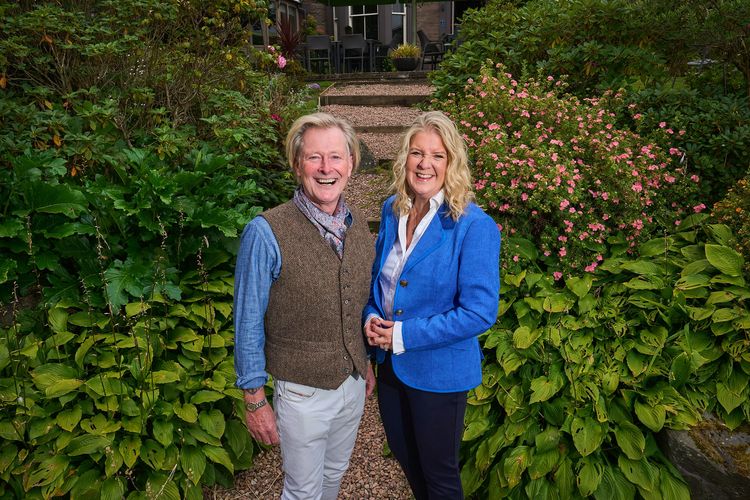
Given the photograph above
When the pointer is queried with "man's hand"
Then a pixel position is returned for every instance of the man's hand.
(369, 381)
(262, 422)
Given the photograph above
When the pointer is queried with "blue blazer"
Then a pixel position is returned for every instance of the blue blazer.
(446, 296)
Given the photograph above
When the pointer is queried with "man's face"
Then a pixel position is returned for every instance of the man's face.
(325, 166)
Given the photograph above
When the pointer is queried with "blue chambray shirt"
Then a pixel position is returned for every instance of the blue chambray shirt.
(258, 266)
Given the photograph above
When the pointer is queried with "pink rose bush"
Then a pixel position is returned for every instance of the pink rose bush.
(559, 172)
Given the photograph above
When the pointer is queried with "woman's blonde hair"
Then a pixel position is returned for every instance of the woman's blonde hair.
(457, 186)
(295, 136)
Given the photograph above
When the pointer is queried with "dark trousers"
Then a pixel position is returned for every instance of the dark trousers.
(424, 432)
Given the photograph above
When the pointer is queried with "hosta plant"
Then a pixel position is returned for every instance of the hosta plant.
(579, 374)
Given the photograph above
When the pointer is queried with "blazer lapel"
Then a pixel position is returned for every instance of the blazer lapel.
(433, 237)
(390, 226)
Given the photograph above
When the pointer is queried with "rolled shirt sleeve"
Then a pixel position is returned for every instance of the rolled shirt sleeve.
(258, 266)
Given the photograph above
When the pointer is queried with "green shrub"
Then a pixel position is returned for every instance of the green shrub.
(604, 44)
(558, 170)
(716, 141)
(643, 47)
(138, 139)
(734, 211)
(578, 378)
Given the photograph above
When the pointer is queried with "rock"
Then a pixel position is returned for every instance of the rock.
(713, 460)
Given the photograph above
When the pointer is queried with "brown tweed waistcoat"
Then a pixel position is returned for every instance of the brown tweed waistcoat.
(313, 320)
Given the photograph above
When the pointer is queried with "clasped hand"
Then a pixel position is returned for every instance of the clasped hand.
(379, 333)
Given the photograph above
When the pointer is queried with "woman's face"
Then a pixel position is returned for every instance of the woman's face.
(426, 164)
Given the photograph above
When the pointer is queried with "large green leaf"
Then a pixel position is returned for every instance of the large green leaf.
(152, 454)
(163, 431)
(100, 425)
(205, 396)
(219, 456)
(652, 416)
(212, 421)
(187, 412)
(87, 444)
(515, 463)
(630, 439)
(580, 286)
(589, 476)
(614, 486)
(640, 472)
(56, 199)
(588, 434)
(45, 472)
(62, 387)
(564, 478)
(670, 487)
(130, 449)
(725, 259)
(113, 488)
(163, 377)
(544, 388)
(193, 463)
(162, 487)
(68, 419)
(542, 463)
(524, 337)
(49, 374)
(728, 398)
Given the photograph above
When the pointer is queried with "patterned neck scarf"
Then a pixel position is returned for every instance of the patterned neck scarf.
(331, 227)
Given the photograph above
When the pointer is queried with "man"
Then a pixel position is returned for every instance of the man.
(302, 280)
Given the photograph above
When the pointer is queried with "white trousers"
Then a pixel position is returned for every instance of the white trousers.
(317, 430)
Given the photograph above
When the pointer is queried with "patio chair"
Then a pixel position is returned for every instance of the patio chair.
(319, 52)
(432, 52)
(381, 54)
(354, 48)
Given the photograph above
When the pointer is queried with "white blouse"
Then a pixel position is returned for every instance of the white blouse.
(394, 265)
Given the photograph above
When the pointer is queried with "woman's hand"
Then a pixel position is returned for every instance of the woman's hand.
(380, 333)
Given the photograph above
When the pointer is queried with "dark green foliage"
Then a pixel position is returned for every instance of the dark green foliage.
(734, 211)
(643, 47)
(138, 139)
(716, 139)
(577, 378)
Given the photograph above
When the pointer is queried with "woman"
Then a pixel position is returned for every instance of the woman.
(435, 287)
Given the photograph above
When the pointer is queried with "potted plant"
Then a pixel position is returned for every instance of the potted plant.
(405, 57)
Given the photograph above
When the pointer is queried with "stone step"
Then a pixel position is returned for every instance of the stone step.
(375, 119)
(375, 94)
(372, 100)
(380, 129)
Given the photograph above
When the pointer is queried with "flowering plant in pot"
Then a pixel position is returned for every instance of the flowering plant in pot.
(405, 57)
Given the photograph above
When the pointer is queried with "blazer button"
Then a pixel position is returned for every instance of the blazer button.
(346, 358)
(403, 282)
(346, 301)
(398, 312)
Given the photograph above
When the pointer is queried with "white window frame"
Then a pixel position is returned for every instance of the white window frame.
(364, 8)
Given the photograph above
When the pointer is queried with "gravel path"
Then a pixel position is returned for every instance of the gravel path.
(370, 474)
(370, 116)
(367, 192)
(381, 89)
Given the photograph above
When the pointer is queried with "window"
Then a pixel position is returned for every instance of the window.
(398, 24)
(364, 20)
